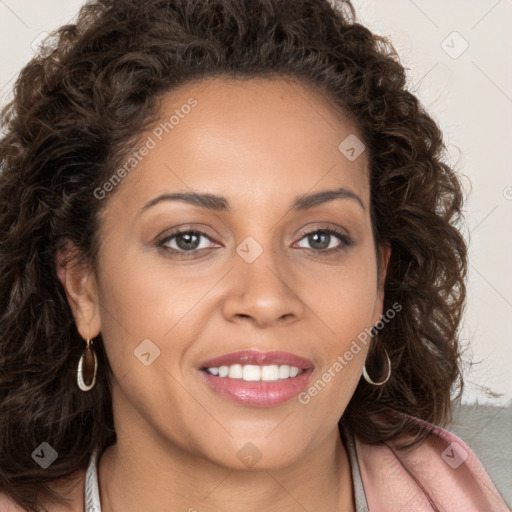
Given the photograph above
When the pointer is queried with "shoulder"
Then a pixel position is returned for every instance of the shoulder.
(72, 488)
(441, 472)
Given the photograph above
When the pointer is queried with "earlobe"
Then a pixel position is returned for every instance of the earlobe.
(79, 283)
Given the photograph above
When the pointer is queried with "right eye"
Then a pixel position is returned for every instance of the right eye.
(185, 241)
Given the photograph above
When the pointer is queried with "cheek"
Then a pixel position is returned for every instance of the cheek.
(149, 298)
(157, 302)
(344, 303)
(143, 316)
(345, 300)
(344, 297)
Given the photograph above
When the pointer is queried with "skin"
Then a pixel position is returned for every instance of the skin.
(260, 144)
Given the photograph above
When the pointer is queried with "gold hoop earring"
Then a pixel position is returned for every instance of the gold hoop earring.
(87, 368)
(370, 380)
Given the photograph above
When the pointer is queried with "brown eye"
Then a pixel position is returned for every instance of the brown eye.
(322, 240)
(184, 241)
(187, 241)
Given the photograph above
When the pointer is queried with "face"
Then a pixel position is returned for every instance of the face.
(257, 268)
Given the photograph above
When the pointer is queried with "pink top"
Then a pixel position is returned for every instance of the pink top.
(449, 477)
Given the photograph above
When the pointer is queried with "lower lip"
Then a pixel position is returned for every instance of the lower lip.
(258, 393)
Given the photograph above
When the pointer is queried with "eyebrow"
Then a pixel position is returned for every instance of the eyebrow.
(219, 203)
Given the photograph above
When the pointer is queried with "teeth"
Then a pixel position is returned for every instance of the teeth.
(270, 372)
(252, 372)
(235, 371)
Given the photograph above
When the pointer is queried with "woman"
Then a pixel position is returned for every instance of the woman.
(231, 277)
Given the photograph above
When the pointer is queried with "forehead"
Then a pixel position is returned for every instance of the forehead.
(255, 140)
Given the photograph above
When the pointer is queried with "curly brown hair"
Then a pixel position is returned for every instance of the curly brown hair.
(77, 111)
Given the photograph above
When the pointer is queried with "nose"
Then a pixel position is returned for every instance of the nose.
(263, 292)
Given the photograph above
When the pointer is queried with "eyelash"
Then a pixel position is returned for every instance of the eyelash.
(346, 241)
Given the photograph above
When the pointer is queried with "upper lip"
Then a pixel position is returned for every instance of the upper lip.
(258, 358)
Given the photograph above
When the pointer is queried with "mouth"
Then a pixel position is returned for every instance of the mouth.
(259, 379)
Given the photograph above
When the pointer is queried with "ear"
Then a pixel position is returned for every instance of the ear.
(79, 282)
(383, 256)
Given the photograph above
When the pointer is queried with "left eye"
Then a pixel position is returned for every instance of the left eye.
(320, 237)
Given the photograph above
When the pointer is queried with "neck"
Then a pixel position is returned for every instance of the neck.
(136, 476)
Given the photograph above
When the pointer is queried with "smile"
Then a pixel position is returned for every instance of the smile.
(257, 379)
